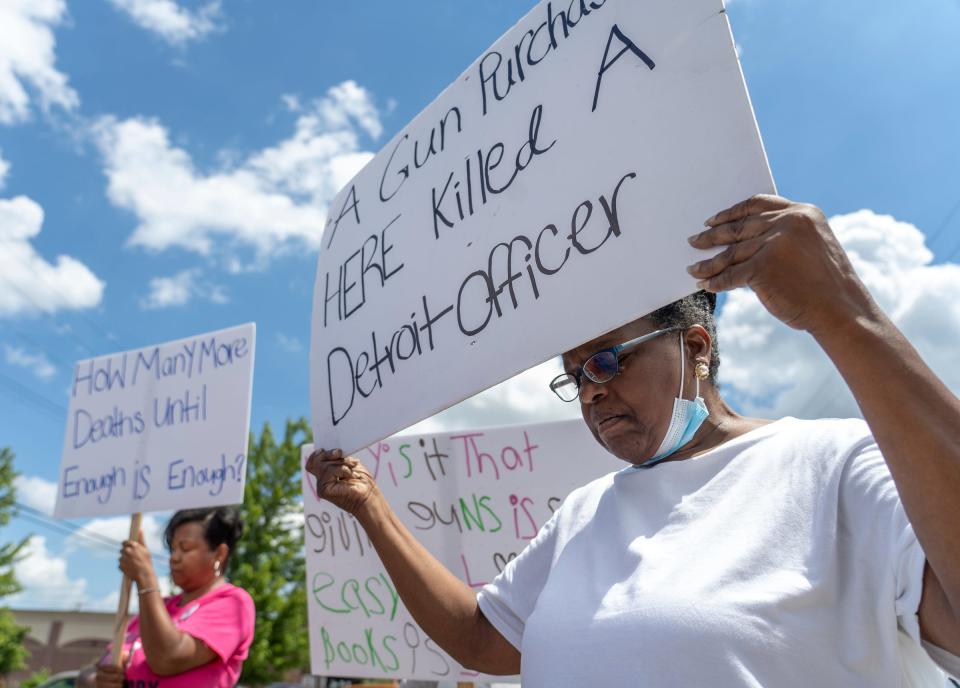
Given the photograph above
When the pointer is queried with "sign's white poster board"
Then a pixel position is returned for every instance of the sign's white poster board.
(545, 197)
(163, 427)
(474, 499)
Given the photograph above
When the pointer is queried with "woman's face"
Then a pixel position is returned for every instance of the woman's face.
(191, 559)
(629, 414)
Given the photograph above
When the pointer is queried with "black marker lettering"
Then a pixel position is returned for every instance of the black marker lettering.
(605, 65)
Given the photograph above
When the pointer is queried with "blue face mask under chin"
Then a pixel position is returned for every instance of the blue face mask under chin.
(688, 415)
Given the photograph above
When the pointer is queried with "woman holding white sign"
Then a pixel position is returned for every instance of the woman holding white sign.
(732, 551)
(201, 636)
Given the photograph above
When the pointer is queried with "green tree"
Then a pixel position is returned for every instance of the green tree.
(35, 679)
(269, 561)
(13, 654)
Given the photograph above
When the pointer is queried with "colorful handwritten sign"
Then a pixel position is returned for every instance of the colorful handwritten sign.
(474, 499)
(163, 427)
(543, 198)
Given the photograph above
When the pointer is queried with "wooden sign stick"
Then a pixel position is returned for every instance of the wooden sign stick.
(120, 623)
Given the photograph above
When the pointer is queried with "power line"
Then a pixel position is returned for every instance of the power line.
(67, 526)
(953, 254)
(53, 526)
(943, 225)
(92, 537)
(812, 401)
(54, 410)
(44, 310)
(34, 343)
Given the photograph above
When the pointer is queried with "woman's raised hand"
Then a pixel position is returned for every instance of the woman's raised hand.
(344, 481)
(787, 253)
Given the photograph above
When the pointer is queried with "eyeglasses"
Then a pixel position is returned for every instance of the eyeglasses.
(601, 367)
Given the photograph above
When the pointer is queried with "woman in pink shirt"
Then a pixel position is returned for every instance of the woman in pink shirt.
(199, 637)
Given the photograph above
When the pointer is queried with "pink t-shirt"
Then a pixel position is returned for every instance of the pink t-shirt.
(223, 619)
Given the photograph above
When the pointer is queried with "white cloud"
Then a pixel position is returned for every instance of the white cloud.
(44, 574)
(36, 492)
(291, 345)
(525, 398)
(29, 282)
(110, 601)
(179, 289)
(46, 584)
(275, 198)
(171, 22)
(27, 59)
(38, 364)
(774, 371)
(117, 528)
(344, 102)
(4, 170)
(169, 291)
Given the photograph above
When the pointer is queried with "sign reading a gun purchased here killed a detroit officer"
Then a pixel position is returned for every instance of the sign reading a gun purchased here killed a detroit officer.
(164, 427)
(543, 198)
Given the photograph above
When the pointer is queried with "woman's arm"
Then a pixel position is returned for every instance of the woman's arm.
(787, 253)
(444, 606)
(916, 422)
(168, 650)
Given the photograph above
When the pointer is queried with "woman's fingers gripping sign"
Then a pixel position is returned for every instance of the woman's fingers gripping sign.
(787, 253)
(343, 481)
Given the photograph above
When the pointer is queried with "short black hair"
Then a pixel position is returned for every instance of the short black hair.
(696, 309)
(222, 525)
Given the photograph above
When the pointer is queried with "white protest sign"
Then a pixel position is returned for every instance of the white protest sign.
(163, 427)
(474, 499)
(545, 197)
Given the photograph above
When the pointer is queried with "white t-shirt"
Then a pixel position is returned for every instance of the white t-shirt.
(780, 558)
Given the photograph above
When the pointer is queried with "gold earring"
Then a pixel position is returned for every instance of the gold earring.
(702, 370)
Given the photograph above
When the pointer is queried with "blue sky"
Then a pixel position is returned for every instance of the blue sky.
(183, 154)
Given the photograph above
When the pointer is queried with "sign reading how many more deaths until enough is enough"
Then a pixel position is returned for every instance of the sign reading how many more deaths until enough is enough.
(543, 198)
(164, 427)
(474, 499)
